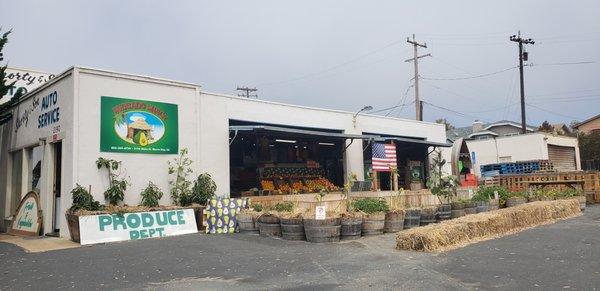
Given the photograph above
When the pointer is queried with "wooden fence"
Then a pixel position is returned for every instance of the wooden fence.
(515, 183)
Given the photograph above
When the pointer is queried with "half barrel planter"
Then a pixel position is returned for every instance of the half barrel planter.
(394, 221)
(444, 212)
(373, 224)
(326, 230)
(470, 207)
(351, 228)
(514, 201)
(428, 216)
(412, 218)
(292, 228)
(247, 222)
(482, 206)
(458, 210)
(268, 225)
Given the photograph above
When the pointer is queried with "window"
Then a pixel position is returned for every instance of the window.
(16, 181)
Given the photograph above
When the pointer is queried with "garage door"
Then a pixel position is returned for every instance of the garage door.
(563, 158)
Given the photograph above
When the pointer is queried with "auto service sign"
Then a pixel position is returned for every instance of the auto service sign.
(132, 226)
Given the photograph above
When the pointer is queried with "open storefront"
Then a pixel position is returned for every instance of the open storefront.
(274, 160)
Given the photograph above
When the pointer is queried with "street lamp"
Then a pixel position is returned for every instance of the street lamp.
(366, 108)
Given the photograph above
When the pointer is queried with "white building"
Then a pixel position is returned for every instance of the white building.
(502, 142)
(62, 128)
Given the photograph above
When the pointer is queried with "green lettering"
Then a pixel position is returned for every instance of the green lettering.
(180, 217)
(134, 234)
(172, 220)
(164, 220)
(103, 221)
(151, 232)
(133, 220)
(147, 220)
(160, 231)
(118, 219)
(144, 233)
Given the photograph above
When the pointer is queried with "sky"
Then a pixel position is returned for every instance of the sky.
(333, 54)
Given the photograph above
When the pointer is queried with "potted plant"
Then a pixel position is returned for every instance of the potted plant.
(515, 198)
(247, 218)
(351, 220)
(290, 219)
(83, 202)
(470, 206)
(322, 230)
(443, 186)
(428, 215)
(374, 218)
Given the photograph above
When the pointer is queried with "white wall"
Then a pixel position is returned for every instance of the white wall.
(533, 146)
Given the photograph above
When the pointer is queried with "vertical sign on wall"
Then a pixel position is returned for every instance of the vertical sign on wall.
(138, 126)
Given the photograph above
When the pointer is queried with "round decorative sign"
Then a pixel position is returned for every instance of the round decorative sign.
(28, 218)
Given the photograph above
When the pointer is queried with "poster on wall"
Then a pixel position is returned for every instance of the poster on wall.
(138, 126)
(28, 218)
(131, 226)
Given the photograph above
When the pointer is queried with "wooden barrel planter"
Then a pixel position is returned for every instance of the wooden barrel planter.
(351, 228)
(292, 229)
(494, 204)
(373, 224)
(582, 202)
(533, 198)
(470, 207)
(428, 215)
(482, 206)
(268, 225)
(514, 201)
(73, 224)
(458, 210)
(444, 212)
(394, 221)
(247, 222)
(412, 218)
(327, 230)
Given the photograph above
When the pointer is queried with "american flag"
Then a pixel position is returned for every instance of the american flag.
(384, 157)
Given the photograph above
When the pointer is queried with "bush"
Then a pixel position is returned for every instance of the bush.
(117, 184)
(282, 207)
(204, 188)
(83, 200)
(151, 195)
(486, 193)
(371, 205)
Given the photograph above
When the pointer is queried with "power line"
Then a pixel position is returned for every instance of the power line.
(456, 112)
(470, 77)
(523, 56)
(401, 101)
(390, 108)
(246, 92)
(415, 60)
(552, 112)
(310, 75)
(560, 64)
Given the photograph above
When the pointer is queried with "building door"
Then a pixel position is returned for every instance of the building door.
(562, 158)
(56, 187)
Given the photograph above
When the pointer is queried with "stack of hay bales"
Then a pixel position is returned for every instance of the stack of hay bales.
(473, 228)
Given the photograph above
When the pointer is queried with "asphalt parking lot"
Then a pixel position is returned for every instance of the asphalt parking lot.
(564, 255)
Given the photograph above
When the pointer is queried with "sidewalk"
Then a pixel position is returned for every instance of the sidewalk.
(39, 244)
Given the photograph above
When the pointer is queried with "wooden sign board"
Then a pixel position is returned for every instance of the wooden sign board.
(28, 218)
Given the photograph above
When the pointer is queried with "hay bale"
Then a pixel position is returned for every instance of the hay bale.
(469, 229)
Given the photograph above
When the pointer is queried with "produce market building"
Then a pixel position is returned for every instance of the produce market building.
(59, 130)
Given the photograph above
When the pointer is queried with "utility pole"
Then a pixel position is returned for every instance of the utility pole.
(415, 59)
(522, 55)
(247, 91)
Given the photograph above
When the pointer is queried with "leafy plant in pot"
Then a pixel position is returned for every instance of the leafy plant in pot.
(322, 230)
(374, 218)
(83, 202)
(442, 186)
(351, 220)
(247, 218)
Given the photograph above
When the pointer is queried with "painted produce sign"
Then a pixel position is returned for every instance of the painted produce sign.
(25, 80)
(28, 219)
(138, 126)
(131, 226)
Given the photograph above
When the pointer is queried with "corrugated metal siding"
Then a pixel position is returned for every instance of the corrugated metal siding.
(563, 158)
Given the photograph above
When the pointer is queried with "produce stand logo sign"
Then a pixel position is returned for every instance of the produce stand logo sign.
(28, 218)
(131, 226)
(137, 126)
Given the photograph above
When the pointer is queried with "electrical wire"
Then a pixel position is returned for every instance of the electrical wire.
(470, 77)
(456, 112)
(310, 75)
(559, 64)
(551, 112)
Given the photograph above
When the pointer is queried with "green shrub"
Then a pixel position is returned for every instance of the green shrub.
(569, 192)
(257, 207)
(83, 200)
(204, 188)
(486, 193)
(151, 195)
(282, 207)
(371, 205)
(117, 184)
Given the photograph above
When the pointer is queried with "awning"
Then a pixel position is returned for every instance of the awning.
(299, 132)
(414, 140)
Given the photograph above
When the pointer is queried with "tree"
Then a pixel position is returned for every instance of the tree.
(546, 127)
(589, 145)
(445, 122)
(5, 115)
